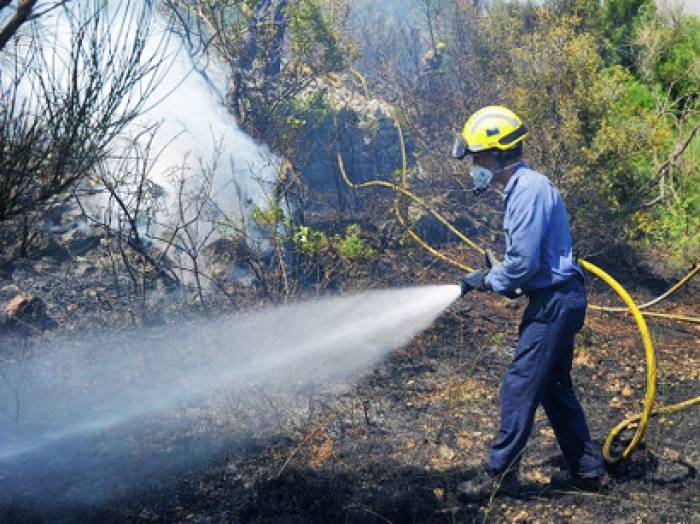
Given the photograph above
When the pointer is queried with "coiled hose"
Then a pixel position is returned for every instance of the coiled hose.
(641, 421)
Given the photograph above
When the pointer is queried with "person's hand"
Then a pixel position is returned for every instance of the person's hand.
(476, 280)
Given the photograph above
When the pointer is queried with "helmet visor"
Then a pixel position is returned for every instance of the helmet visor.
(460, 149)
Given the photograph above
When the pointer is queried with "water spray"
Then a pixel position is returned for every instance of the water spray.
(69, 409)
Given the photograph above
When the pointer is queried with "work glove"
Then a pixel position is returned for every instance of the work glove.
(473, 281)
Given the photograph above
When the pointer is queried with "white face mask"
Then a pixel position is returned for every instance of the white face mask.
(482, 176)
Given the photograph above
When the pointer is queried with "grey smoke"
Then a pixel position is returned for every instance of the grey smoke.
(184, 100)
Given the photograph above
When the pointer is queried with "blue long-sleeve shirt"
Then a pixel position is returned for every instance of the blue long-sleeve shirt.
(538, 237)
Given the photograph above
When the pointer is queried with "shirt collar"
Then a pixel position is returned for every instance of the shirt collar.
(511, 183)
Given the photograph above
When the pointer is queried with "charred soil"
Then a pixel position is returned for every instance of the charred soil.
(393, 445)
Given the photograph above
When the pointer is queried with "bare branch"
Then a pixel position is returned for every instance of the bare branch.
(678, 150)
(52, 7)
(22, 14)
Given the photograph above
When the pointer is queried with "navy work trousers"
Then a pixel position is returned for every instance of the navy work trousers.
(540, 374)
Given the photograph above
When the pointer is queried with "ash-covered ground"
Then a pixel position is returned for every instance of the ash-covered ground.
(389, 446)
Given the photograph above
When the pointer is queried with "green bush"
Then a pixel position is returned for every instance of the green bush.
(675, 223)
(679, 65)
(313, 36)
(667, 52)
(270, 216)
(309, 111)
(678, 228)
(351, 246)
(630, 137)
(309, 241)
(619, 21)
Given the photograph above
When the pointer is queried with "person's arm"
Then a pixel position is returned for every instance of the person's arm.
(528, 212)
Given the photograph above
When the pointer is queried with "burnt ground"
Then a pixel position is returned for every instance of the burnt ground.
(393, 446)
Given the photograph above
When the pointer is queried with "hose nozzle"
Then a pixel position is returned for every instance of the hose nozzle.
(473, 280)
(464, 287)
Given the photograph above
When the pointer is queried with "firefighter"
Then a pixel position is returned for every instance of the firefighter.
(432, 59)
(539, 263)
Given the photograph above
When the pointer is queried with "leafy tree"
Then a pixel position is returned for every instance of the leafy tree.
(619, 20)
(313, 38)
(587, 14)
(668, 52)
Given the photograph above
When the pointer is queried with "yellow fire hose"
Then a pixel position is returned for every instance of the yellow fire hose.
(641, 420)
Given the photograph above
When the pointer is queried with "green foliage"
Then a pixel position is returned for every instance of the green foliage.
(295, 123)
(631, 135)
(668, 53)
(270, 216)
(310, 241)
(678, 227)
(496, 339)
(559, 85)
(618, 23)
(587, 13)
(310, 112)
(351, 246)
(595, 129)
(675, 223)
(313, 37)
(679, 66)
(226, 227)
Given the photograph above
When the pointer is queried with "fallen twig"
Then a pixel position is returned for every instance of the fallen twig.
(322, 425)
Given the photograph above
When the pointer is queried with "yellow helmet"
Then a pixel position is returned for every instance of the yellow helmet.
(490, 128)
(440, 45)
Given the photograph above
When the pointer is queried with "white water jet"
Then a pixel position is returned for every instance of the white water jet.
(68, 410)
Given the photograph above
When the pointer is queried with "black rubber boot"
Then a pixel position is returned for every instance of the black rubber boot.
(566, 480)
(487, 483)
